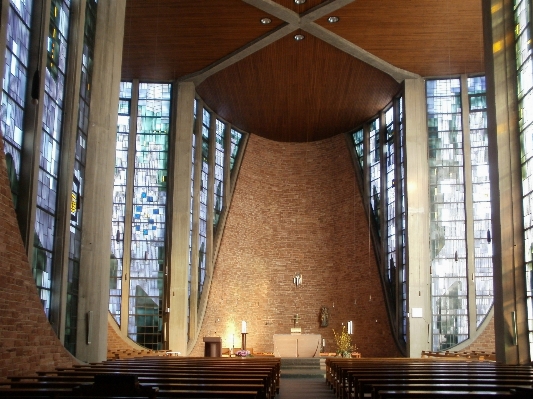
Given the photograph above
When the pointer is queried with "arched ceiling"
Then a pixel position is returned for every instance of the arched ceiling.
(263, 81)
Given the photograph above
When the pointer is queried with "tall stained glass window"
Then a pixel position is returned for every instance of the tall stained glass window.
(375, 171)
(118, 219)
(402, 240)
(236, 137)
(524, 67)
(79, 176)
(358, 141)
(390, 170)
(202, 220)
(47, 185)
(191, 212)
(219, 170)
(447, 213)
(483, 267)
(14, 87)
(147, 265)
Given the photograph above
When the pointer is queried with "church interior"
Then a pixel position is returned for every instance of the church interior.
(174, 170)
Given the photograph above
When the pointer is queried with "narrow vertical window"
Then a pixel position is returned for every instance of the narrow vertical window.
(219, 171)
(358, 142)
(119, 201)
(202, 220)
(390, 186)
(191, 215)
(235, 142)
(14, 88)
(147, 266)
(402, 243)
(447, 213)
(47, 185)
(524, 67)
(375, 172)
(79, 176)
(480, 197)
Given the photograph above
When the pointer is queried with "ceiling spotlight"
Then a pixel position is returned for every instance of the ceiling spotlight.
(332, 20)
(266, 21)
(299, 37)
(299, 1)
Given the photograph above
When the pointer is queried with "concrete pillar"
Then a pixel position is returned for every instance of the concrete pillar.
(95, 252)
(418, 280)
(179, 218)
(506, 184)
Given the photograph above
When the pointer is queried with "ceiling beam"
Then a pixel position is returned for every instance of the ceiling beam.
(293, 22)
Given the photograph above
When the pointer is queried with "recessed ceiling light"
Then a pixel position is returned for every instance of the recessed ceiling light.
(333, 19)
(299, 1)
(265, 21)
(299, 37)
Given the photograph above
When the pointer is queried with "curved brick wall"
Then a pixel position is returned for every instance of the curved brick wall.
(27, 342)
(296, 208)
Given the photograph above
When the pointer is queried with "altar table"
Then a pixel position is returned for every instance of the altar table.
(297, 345)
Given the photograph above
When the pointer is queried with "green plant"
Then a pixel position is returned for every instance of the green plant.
(343, 342)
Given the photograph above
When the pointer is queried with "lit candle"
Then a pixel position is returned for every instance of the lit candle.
(323, 342)
(243, 328)
(233, 340)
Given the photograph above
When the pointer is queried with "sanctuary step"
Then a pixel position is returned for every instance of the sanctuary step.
(303, 368)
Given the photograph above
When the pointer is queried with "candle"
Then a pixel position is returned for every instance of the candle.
(323, 342)
(233, 340)
(243, 328)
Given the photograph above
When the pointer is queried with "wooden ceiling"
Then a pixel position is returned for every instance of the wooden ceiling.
(263, 81)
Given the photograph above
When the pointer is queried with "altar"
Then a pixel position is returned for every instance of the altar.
(297, 345)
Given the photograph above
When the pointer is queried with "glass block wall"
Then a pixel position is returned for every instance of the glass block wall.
(79, 176)
(16, 77)
(47, 185)
(524, 66)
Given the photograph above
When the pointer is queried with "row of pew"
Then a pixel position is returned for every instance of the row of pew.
(153, 377)
(395, 378)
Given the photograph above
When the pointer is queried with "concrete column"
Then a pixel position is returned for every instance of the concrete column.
(418, 280)
(179, 218)
(95, 251)
(506, 183)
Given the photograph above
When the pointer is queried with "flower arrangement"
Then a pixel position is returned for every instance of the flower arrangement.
(242, 353)
(344, 343)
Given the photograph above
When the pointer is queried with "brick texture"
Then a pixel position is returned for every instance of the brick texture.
(27, 342)
(486, 342)
(297, 208)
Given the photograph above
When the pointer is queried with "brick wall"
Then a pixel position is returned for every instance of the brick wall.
(486, 342)
(296, 208)
(27, 342)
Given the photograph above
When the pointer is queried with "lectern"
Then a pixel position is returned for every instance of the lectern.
(213, 347)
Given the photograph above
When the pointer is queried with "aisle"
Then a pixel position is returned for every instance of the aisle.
(304, 388)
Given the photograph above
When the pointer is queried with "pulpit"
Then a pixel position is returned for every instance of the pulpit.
(297, 345)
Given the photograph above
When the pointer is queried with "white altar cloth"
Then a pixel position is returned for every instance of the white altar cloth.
(297, 345)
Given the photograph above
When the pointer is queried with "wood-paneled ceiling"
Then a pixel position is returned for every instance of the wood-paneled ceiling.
(263, 81)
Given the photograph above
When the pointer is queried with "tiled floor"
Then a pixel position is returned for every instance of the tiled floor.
(304, 388)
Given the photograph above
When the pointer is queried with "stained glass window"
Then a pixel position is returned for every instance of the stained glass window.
(147, 266)
(358, 141)
(524, 67)
(375, 171)
(47, 184)
(79, 176)
(390, 169)
(202, 220)
(14, 87)
(118, 218)
(480, 197)
(447, 214)
(219, 171)
(402, 243)
(236, 137)
(191, 213)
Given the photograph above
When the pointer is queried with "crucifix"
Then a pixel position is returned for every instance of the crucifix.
(295, 319)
